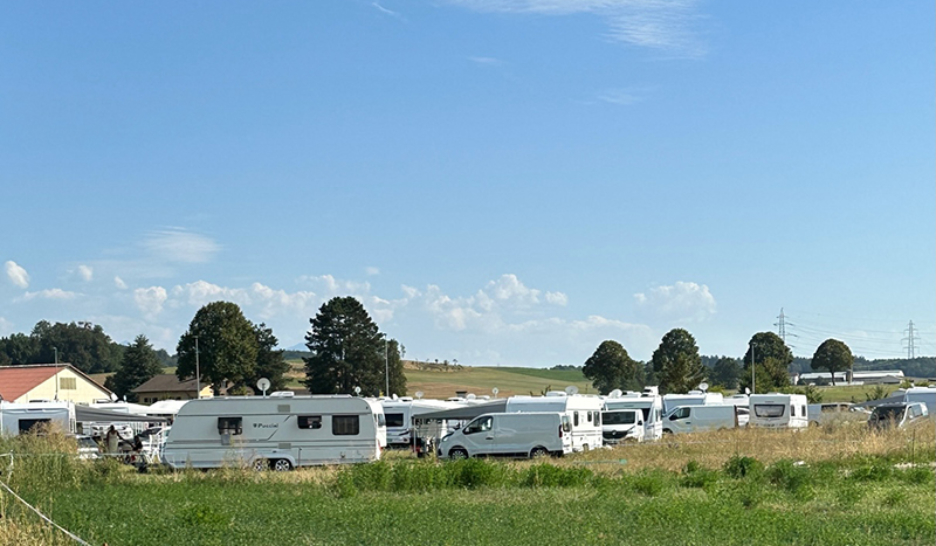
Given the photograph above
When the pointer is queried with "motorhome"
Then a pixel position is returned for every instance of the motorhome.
(18, 419)
(584, 413)
(776, 410)
(623, 425)
(649, 402)
(692, 398)
(925, 395)
(527, 434)
(685, 419)
(279, 433)
(399, 415)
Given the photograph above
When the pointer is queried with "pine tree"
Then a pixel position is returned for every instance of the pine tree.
(139, 365)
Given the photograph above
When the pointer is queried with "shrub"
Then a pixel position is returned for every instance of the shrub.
(696, 476)
(547, 475)
(739, 467)
(918, 475)
(650, 484)
(472, 473)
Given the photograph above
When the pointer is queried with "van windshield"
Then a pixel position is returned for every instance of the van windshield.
(618, 417)
(886, 413)
(769, 410)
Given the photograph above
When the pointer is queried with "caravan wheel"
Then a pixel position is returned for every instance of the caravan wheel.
(282, 465)
(260, 464)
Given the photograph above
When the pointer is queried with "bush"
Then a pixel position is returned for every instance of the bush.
(547, 475)
(792, 477)
(650, 484)
(696, 476)
(473, 473)
(739, 467)
(917, 475)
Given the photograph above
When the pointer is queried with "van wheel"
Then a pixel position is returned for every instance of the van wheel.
(260, 464)
(539, 451)
(282, 465)
(458, 453)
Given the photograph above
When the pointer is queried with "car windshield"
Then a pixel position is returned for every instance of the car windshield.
(886, 413)
(618, 417)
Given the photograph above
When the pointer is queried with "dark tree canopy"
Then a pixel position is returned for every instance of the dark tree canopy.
(772, 358)
(82, 344)
(139, 365)
(725, 372)
(227, 346)
(610, 367)
(348, 351)
(270, 362)
(833, 356)
(677, 362)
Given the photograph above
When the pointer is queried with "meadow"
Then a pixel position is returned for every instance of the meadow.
(838, 484)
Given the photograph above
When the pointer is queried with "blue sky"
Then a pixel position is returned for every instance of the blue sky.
(499, 181)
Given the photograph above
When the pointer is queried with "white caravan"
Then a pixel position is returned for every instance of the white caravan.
(648, 402)
(399, 415)
(692, 398)
(624, 425)
(18, 419)
(685, 419)
(584, 413)
(528, 434)
(282, 433)
(925, 395)
(776, 410)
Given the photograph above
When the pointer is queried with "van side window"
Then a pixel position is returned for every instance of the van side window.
(575, 420)
(479, 425)
(309, 421)
(346, 425)
(588, 416)
(681, 413)
(792, 411)
(231, 425)
(597, 418)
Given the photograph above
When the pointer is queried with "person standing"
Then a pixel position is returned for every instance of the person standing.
(112, 439)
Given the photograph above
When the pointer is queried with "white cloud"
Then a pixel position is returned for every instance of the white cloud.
(683, 301)
(557, 298)
(372, 271)
(150, 300)
(329, 286)
(181, 246)
(119, 283)
(622, 97)
(50, 294)
(86, 272)
(387, 11)
(663, 25)
(17, 274)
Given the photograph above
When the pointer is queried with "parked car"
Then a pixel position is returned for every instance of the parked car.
(899, 415)
(88, 449)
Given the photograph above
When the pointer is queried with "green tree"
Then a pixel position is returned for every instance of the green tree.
(348, 351)
(772, 359)
(270, 361)
(610, 367)
(82, 344)
(227, 346)
(139, 365)
(395, 365)
(834, 356)
(677, 362)
(725, 372)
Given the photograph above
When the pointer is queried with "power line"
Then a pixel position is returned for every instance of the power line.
(911, 347)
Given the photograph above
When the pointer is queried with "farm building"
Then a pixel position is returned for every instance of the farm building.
(64, 382)
(168, 387)
(870, 377)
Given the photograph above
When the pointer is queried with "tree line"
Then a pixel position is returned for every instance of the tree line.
(677, 367)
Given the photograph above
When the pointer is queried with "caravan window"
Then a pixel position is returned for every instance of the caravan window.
(394, 419)
(575, 419)
(588, 416)
(381, 420)
(309, 421)
(769, 410)
(346, 425)
(597, 418)
(27, 425)
(792, 411)
(231, 425)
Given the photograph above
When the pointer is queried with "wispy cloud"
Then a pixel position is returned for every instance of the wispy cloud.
(85, 272)
(682, 301)
(50, 294)
(661, 25)
(17, 274)
(622, 97)
(180, 246)
(387, 11)
(119, 283)
(486, 61)
(372, 271)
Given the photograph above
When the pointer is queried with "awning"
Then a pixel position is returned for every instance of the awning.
(85, 414)
(465, 413)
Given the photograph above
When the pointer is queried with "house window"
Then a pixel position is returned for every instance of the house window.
(346, 425)
(68, 383)
(310, 421)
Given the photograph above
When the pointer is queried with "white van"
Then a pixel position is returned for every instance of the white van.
(776, 410)
(897, 415)
(623, 425)
(510, 435)
(924, 395)
(280, 433)
(649, 403)
(584, 414)
(18, 419)
(692, 398)
(685, 419)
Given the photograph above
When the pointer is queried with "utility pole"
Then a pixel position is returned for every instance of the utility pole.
(753, 370)
(781, 325)
(197, 372)
(57, 378)
(386, 353)
(911, 341)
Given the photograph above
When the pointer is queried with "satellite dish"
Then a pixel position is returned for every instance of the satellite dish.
(495, 390)
(703, 386)
(419, 395)
(263, 384)
(470, 396)
(357, 390)
(113, 397)
(616, 393)
(747, 391)
(571, 389)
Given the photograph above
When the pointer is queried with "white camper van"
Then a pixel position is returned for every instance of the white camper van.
(18, 419)
(528, 434)
(623, 425)
(399, 415)
(925, 395)
(776, 410)
(281, 433)
(685, 419)
(584, 413)
(650, 403)
(692, 398)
